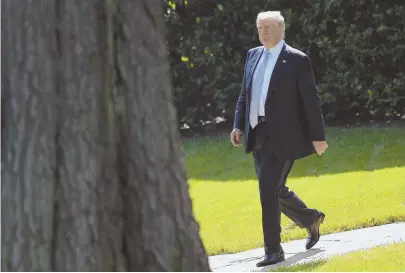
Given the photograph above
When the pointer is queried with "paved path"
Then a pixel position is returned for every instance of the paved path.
(328, 245)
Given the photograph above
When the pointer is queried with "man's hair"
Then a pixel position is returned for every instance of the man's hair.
(273, 14)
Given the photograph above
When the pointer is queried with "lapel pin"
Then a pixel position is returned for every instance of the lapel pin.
(284, 61)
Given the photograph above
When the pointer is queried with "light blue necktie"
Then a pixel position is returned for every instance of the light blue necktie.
(257, 88)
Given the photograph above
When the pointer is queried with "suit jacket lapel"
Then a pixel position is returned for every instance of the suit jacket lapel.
(277, 71)
(253, 64)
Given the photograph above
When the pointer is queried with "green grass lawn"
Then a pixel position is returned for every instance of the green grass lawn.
(359, 182)
(388, 258)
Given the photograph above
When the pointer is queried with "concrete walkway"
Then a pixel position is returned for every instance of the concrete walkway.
(328, 245)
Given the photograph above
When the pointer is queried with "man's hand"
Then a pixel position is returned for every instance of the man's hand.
(320, 146)
(235, 137)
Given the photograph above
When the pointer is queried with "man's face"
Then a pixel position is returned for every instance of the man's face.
(269, 32)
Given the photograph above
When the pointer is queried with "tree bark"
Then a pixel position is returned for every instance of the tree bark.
(92, 171)
(157, 194)
(28, 152)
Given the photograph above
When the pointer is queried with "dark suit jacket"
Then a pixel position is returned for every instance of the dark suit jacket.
(292, 109)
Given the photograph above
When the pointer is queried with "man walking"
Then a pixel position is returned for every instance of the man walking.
(280, 113)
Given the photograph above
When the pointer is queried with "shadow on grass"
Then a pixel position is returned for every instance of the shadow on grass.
(353, 149)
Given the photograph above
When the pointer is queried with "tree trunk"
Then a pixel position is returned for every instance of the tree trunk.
(28, 152)
(92, 171)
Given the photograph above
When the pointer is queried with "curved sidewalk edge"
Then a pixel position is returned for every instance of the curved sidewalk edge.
(328, 245)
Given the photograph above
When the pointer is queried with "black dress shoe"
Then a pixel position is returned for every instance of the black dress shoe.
(272, 258)
(313, 231)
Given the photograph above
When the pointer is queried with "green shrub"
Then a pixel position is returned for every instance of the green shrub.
(356, 47)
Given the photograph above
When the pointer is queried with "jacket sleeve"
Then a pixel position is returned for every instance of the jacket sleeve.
(311, 100)
(239, 120)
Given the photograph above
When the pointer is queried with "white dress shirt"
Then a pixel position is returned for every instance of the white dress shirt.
(274, 54)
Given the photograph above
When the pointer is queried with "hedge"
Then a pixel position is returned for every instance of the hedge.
(356, 47)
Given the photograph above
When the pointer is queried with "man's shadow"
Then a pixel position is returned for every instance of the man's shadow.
(293, 259)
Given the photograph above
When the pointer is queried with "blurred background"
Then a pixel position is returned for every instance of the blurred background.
(356, 47)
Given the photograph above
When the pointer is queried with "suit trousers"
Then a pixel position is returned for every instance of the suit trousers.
(275, 196)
